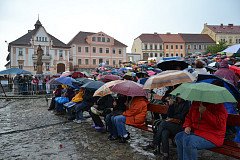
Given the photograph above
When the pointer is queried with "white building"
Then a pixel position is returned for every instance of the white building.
(22, 52)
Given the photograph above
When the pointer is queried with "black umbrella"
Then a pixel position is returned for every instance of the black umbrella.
(82, 81)
(172, 65)
(93, 85)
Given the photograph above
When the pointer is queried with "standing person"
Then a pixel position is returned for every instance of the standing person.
(172, 125)
(34, 83)
(40, 85)
(199, 68)
(47, 84)
(226, 73)
(204, 128)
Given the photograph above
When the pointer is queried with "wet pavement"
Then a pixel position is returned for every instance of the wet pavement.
(29, 131)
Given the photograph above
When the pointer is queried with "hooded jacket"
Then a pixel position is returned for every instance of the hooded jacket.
(212, 125)
(136, 112)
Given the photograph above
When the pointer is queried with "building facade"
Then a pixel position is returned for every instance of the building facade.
(88, 50)
(223, 33)
(149, 46)
(196, 43)
(23, 52)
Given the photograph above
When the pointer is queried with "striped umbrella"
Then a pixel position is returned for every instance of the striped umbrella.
(168, 78)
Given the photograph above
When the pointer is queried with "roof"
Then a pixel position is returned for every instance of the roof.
(25, 39)
(171, 38)
(196, 38)
(80, 38)
(150, 38)
(229, 29)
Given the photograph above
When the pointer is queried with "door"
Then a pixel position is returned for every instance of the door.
(60, 67)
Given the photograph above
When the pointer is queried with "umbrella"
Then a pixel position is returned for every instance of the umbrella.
(93, 85)
(14, 71)
(82, 81)
(129, 88)
(203, 92)
(110, 77)
(141, 74)
(142, 80)
(237, 64)
(150, 73)
(213, 64)
(53, 82)
(172, 65)
(66, 74)
(233, 49)
(67, 81)
(168, 78)
(208, 78)
(77, 75)
(105, 89)
(86, 73)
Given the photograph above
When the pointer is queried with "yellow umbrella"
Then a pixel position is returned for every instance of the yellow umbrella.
(105, 89)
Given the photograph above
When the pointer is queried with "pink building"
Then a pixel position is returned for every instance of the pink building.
(89, 49)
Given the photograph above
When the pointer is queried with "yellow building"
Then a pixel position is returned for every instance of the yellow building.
(225, 33)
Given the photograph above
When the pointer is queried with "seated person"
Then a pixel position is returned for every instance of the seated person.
(104, 105)
(135, 115)
(57, 93)
(85, 105)
(170, 126)
(204, 128)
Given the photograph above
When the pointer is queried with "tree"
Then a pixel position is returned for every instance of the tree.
(216, 48)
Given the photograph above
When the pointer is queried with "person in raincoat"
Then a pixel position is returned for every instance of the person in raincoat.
(135, 115)
(204, 128)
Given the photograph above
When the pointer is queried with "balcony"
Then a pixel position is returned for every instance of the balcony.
(45, 57)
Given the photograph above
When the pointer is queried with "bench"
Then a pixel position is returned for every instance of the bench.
(229, 148)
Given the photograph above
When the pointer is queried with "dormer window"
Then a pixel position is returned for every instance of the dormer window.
(103, 39)
(108, 39)
(93, 39)
(99, 39)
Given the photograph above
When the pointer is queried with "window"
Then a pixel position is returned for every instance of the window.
(20, 66)
(35, 66)
(20, 52)
(93, 39)
(151, 47)
(114, 51)
(45, 39)
(94, 49)
(47, 51)
(181, 55)
(230, 40)
(86, 61)
(171, 54)
(167, 55)
(145, 46)
(120, 51)
(156, 55)
(114, 62)
(199, 47)
(161, 54)
(107, 62)
(79, 49)
(103, 39)
(171, 46)
(94, 62)
(181, 47)
(155, 47)
(108, 39)
(37, 38)
(238, 40)
(99, 39)
(160, 47)
(195, 46)
(47, 66)
(86, 49)
(79, 61)
(189, 46)
(100, 60)
(107, 50)
(100, 50)
(176, 46)
(166, 46)
(60, 53)
(151, 55)
(176, 54)
(120, 61)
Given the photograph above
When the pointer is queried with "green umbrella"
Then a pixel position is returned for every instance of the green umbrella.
(203, 92)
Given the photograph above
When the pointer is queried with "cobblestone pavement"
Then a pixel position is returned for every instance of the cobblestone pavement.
(29, 131)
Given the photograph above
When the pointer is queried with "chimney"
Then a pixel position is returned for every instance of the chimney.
(155, 33)
(168, 33)
(230, 25)
(221, 25)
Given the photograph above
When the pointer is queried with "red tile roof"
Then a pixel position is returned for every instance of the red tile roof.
(229, 29)
(150, 38)
(196, 38)
(80, 38)
(171, 38)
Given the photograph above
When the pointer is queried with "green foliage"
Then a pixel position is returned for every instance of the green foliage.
(216, 48)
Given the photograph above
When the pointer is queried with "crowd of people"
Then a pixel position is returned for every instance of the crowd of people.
(193, 125)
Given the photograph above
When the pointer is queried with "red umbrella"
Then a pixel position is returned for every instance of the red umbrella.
(77, 75)
(129, 88)
(110, 77)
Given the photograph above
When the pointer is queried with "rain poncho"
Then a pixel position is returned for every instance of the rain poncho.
(78, 97)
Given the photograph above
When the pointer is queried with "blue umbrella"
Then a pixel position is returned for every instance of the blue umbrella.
(14, 71)
(93, 85)
(209, 78)
(67, 81)
(143, 80)
(233, 49)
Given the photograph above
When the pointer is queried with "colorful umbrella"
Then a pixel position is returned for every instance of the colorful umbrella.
(77, 75)
(151, 73)
(168, 78)
(110, 77)
(203, 92)
(105, 89)
(129, 88)
(67, 81)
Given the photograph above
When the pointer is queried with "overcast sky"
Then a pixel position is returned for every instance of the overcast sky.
(122, 19)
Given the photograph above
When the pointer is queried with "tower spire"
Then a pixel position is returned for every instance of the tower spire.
(38, 16)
